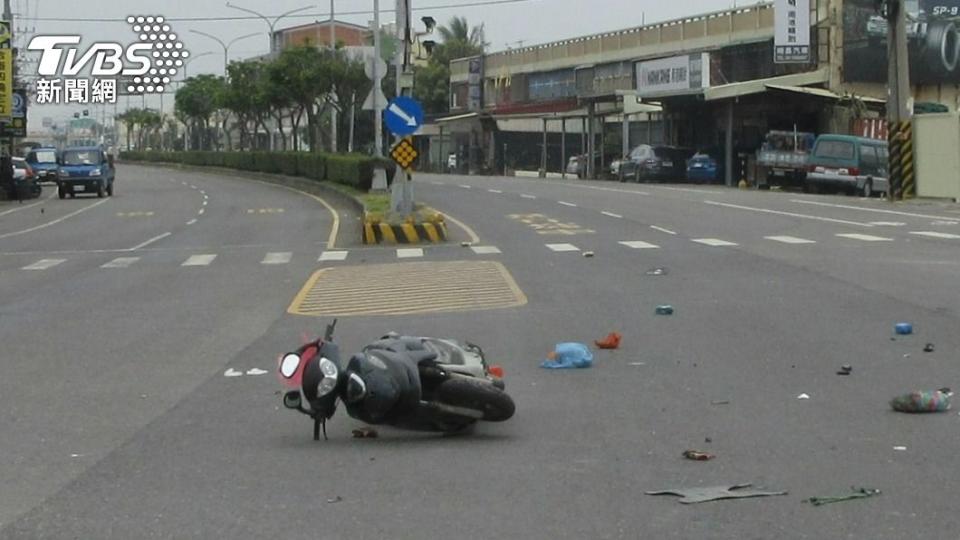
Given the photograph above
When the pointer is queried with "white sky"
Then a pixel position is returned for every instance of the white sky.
(532, 21)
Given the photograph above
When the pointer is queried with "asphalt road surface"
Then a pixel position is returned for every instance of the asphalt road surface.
(135, 329)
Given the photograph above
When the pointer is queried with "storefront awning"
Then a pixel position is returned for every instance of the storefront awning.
(822, 93)
(759, 86)
(466, 116)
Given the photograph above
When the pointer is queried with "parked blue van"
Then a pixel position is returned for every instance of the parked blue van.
(85, 169)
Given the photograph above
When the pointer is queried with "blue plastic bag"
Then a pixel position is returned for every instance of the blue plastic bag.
(570, 356)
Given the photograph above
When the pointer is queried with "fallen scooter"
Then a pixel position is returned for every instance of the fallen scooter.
(417, 383)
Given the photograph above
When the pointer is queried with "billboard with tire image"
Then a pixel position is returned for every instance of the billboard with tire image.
(933, 41)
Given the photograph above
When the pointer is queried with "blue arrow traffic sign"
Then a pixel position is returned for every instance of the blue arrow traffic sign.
(403, 115)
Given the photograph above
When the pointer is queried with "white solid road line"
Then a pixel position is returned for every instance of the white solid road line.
(485, 250)
(277, 258)
(877, 210)
(562, 247)
(789, 214)
(199, 260)
(525, 196)
(639, 244)
(611, 214)
(150, 241)
(333, 256)
(24, 207)
(714, 242)
(614, 190)
(661, 229)
(888, 223)
(54, 222)
(790, 240)
(43, 264)
(934, 234)
(121, 262)
(865, 237)
(565, 203)
(409, 253)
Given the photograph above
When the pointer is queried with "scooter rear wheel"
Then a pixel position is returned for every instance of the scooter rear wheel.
(482, 396)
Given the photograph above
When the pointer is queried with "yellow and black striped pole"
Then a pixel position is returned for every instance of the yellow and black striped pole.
(895, 164)
(908, 186)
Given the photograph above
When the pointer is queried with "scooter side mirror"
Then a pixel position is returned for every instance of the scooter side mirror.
(292, 400)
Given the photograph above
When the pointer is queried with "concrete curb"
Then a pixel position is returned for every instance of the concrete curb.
(408, 233)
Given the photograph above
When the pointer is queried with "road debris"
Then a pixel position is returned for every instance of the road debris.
(697, 455)
(845, 370)
(803, 396)
(923, 401)
(466, 244)
(705, 494)
(232, 373)
(612, 341)
(858, 493)
(257, 371)
(335, 500)
(900, 448)
(657, 272)
(720, 402)
(665, 309)
(588, 254)
(569, 356)
(365, 433)
(903, 328)
(928, 347)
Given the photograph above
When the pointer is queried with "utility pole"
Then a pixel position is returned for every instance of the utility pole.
(402, 192)
(898, 110)
(5, 161)
(377, 78)
(333, 110)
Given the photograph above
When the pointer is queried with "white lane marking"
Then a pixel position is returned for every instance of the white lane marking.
(277, 258)
(192, 221)
(611, 214)
(944, 222)
(54, 222)
(121, 262)
(494, 191)
(43, 264)
(878, 210)
(257, 371)
(204, 203)
(200, 213)
(888, 223)
(565, 203)
(934, 234)
(639, 244)
(525, 196)
(562, 247)
(715, 242)
(790, 214)
(485, 250)
(333, 256)
(615, 190)
(865, 237)
(790, 240)
(464, 186)
(150, 241)
(661, 229)
(691, 190)
(409, 253)
(199, 260)
(24, 207)
(232, 373)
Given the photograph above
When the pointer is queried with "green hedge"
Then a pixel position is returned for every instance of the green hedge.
(354, 170)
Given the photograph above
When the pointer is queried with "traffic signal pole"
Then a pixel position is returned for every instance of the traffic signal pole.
(900, 167)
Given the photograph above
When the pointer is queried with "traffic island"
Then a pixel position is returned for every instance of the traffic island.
(380, 226)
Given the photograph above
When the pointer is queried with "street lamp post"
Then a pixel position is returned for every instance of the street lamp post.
(191, 59)
(270, 23)
(226, 46)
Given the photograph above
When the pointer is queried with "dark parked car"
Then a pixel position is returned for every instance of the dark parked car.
(655, 163)
(25, 184)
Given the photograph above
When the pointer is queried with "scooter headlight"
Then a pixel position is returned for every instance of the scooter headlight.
(329, 382)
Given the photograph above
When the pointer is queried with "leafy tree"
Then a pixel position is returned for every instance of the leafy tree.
(432, 82)
(198, 99)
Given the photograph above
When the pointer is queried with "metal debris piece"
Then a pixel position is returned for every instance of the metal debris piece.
(657, 272)
(335, 499)
(715, 493)
(858, 493)
(665, 309)
(928, 347)
(697, 455)
(803, 396)
(588, 254)
(845, 370)
(720, 402)
(365, 433)
(903, 328)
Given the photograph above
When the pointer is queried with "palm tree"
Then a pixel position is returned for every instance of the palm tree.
(458, 31)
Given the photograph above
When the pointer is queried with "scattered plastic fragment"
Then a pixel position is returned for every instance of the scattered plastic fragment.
(588, 254)
(903, 328)
(720, 402)
(638, 363)
(665, 309)
(466, 244)
(568, 356)
(257, 371)
(704, 494)
(858, 493)
(900, 448)
(657, 272)
(612, 341)
(708, 440)
(696, 455)
(334, 500)
(845, 370)
(365, 433)
(232, 373)
(923, 401)
(803, 396)
(928, 347)
(906, 355)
